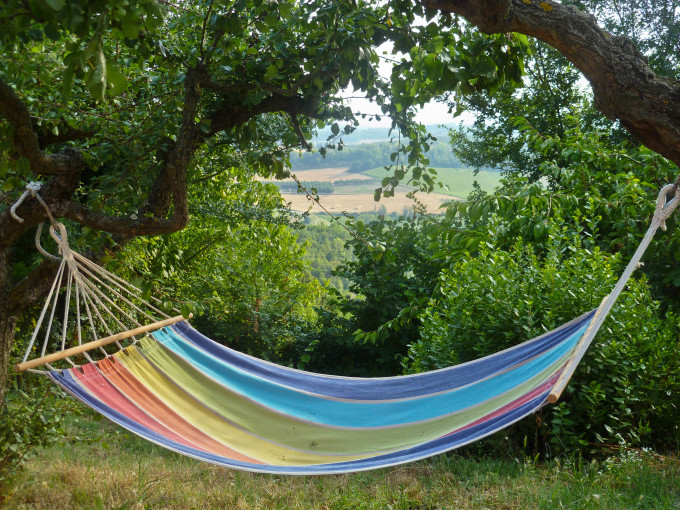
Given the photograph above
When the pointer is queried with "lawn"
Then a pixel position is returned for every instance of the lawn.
(104, 466)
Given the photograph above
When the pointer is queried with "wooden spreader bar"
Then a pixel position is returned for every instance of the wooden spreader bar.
(575, 357)
(79, 349)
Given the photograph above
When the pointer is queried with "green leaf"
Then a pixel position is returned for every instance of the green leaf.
(52, 32)
(485, 67)
(132, 25)
(272, 19)
(186, 309)
(67, 83)
(271, 72)
(10, 184)
(117, 82)
(285, 10)
(56, 5)
(96, 82)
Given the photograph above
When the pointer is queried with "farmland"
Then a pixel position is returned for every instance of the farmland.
(345, 180)
(352, 192)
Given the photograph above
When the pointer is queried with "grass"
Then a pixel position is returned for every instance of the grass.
(115, 469)
(459, 180)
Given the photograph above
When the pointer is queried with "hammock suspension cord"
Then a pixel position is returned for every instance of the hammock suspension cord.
(104, 299)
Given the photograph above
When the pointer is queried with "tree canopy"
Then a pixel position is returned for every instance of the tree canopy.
(121, 108)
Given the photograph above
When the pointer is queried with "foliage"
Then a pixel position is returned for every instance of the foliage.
(653, 25)
(500, 298)
(122, 69)
(325, 249)
(550, 95)
(603, 193)
(393, 271)
(31, 418)
(314, 187)
(238, 266)
(329, 346)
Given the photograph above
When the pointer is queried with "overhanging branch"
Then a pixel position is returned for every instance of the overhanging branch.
(624, 86)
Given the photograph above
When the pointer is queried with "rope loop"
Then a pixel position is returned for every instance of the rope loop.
(32, 189)
(664, 206)
(43, 251)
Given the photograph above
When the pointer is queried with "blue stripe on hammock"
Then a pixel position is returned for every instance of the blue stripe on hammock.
(386, 388)
(369, 413)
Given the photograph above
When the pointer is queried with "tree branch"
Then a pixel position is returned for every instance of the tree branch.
(66, 134)
(26, 139)
(298, 131)
(231, 115)
(624, 86)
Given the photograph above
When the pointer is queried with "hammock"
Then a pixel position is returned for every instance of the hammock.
(179, 389)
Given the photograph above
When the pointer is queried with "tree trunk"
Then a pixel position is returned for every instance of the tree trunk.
(7, 325)
(8, 321)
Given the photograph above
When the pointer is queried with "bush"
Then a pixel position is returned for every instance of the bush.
(31, 417)
(626, 385)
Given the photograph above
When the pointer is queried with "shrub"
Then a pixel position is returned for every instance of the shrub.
(626, 385)
(31, 417)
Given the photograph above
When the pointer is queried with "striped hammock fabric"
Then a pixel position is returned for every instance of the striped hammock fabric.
(191, 395)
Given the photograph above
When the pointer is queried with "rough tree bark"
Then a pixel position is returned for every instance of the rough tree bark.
(625, 87)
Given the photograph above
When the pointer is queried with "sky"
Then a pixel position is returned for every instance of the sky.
(432, 113)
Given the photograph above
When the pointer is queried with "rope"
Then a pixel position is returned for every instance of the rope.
(87, 285)
(32, 189)
(43, 251)
(664, 208)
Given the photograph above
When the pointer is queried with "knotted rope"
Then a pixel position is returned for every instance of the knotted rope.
(32, 189)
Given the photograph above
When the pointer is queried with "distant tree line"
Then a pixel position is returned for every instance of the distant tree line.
(366, 156)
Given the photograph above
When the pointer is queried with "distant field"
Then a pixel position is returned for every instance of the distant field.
(459, 180)
(358, 197)
(328, 174)
(363, 202)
